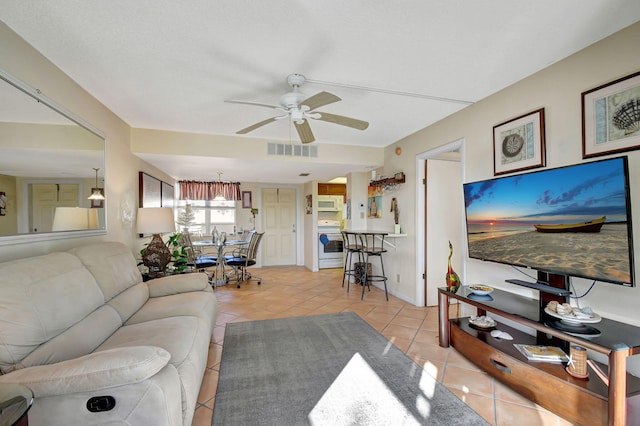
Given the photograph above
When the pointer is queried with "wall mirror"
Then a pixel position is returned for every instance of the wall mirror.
(51, 162)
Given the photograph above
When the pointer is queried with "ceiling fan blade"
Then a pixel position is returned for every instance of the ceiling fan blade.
(253, 103)
(319, 100)
(344, 121)
(255, 126)
(304, 131)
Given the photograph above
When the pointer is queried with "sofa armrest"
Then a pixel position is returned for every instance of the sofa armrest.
(96, 371)
(180, 283)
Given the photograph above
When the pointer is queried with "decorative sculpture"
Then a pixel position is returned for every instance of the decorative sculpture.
(453, 281)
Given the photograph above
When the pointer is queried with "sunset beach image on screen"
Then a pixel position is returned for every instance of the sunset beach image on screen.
(573, 220)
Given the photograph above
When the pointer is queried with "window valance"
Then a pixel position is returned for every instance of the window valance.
(198, 190)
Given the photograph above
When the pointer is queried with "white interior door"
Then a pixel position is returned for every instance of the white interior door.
(279, 221)
(45, 199)
(443, 211)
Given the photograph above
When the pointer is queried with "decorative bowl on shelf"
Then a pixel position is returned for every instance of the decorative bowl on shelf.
(483, 322)
(480, 297)
(572, 318)
(481, 290)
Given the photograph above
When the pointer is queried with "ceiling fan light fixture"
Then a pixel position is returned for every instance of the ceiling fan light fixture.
(295, 80)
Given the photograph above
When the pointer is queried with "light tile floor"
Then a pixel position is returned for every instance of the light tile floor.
(295, 291)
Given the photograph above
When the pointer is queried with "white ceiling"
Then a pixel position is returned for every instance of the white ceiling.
(401, 66)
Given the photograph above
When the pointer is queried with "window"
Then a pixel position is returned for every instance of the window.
(207, 215)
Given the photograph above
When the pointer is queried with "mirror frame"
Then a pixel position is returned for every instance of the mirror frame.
(49, 236)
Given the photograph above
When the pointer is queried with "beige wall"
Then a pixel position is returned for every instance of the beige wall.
(241, 149)
(558, 89)
(26, 64)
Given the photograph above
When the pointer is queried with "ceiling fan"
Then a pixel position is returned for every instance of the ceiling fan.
(295, 105)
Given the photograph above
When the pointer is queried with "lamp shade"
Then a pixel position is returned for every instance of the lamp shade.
(71, 219)
(94, 222)
(155, 220)
(96, 194)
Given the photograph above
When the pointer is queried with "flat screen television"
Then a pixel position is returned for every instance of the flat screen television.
(572, 221)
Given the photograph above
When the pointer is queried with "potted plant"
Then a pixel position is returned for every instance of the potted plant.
(179, 252)
(254, 212)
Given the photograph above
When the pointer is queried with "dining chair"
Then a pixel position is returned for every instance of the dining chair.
(246, 234)
(195, 258)
(245, 257)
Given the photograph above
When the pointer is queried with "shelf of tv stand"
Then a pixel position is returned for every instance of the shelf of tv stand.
(617, 341)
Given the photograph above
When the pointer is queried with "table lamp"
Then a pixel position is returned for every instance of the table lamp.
(94, 222)
(70, 219)
(155, 220)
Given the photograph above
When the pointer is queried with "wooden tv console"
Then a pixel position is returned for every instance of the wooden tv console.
(583, 401)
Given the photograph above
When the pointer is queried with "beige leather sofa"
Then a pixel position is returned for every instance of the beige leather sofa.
(85, 334)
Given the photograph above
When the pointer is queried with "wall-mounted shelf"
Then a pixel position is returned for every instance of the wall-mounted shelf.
(389, 183)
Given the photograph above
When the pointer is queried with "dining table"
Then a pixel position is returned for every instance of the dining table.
(220, 278)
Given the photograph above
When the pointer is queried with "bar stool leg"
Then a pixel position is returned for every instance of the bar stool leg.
(346, 263)
(384, 278)
(351, 272)
(365, 276)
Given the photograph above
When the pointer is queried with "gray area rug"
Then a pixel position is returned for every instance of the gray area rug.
(326, 370)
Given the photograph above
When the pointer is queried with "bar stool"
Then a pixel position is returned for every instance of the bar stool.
(352, 246)
(373, 245)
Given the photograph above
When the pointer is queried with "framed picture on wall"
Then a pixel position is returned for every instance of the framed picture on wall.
(518, 144)
(166, 195)
(246, 199)
(3, 204)
(309, 205)
(374, 202)
(150, 193)
(611, 117)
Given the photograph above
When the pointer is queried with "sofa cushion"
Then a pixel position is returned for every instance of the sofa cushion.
(41, 297)
(177, 335)
(130, 300)
(78, 340)
(112, 264)
(197, 304)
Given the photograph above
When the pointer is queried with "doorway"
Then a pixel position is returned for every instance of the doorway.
(279, 221)
(439, 218)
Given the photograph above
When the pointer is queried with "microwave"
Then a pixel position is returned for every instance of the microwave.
(329, 203)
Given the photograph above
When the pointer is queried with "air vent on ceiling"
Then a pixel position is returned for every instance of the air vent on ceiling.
(285, 149)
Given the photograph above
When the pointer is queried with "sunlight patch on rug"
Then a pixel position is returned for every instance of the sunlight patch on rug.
(359, 396)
